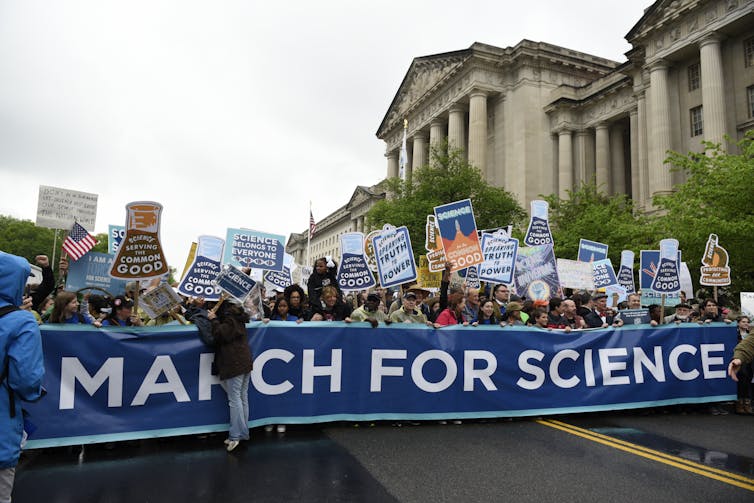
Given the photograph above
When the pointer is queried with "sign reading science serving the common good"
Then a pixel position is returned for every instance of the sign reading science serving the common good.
(254, 249)
(353, 270)
(460, 241)
(395, 258)
(199, 280)
(140, 254)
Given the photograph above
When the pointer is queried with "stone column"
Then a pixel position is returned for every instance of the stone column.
(713, 89)
(617, 160)
(392, 164)
(478, 131)
(436, 137)
(584, 156)
(602, 157)
(658, 133)
(420, 151)
(456, 130)
(641, 110)
(633, 116)
(565, 162)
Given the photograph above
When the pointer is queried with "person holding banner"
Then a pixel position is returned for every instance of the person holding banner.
(233, 360)
(66, 310)
(121, 314)
(408, 313)
(710, 312)
(297, 302)
(331, 307)
(281, 312)
(743, 354)
(453, 314)
(487, 315)
(601, 316)
(744, 374)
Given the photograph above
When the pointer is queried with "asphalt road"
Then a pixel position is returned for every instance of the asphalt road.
(629, 456)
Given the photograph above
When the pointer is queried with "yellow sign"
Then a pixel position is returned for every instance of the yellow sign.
(433, 245)
(426, 279)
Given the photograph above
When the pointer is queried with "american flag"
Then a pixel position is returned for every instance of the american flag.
(312, 225)
(78, 242)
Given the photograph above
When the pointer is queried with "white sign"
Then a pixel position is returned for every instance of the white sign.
(58, 208)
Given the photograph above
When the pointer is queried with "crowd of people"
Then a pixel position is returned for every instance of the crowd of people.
(224, 322)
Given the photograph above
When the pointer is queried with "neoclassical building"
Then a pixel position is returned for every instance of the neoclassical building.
(539, 119)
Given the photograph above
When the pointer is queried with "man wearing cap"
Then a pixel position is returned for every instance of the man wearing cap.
(370, 312)
(682, 314)
(408, 313)
(514, 316)
(601, 316)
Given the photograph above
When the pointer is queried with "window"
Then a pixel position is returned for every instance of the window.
(749, 52)
(693, 75)
(750, 96)
(697, 121)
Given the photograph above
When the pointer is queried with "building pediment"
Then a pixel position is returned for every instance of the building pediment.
(659, 15)
(425, 74)
(361, 195)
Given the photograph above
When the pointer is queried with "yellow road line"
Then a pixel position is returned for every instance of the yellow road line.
(684, 464)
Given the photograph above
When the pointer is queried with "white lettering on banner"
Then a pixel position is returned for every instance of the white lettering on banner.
(457, 212)
(310, 371)
(615, 360)
(610, 366)
(71, 370)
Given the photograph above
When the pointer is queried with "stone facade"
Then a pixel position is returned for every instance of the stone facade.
(539, 119)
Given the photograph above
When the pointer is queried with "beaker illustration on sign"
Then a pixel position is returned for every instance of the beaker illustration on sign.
(140, 254)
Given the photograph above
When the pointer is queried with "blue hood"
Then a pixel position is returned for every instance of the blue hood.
(14, 272)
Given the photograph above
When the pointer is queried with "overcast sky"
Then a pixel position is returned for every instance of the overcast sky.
(235, 113)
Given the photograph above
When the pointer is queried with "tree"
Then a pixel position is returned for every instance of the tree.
(449, 178)
(716, 198)
(590, 214)
(23, 238)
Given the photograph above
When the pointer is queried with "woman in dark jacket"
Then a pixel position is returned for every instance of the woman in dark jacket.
(233, 361)
(322, 276)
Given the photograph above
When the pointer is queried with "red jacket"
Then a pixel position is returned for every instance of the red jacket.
(446, 317)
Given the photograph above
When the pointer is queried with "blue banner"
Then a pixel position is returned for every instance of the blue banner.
(536, 273)
(499, 252)
(115, 234)
(395, 258)
(235, 283)
(603, 273)
(122, 383)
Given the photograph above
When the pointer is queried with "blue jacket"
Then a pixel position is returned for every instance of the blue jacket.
(21, 343)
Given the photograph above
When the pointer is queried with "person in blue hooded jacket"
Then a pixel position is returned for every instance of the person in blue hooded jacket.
(23, 367)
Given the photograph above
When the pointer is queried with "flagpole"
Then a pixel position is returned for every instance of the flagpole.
(309, 236)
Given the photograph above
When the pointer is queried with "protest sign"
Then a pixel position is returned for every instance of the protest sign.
(603, 273)
(747, 304)
(254, 249)
(235, 282)
(457, 228)
(115, 234)
(574, 274)
(281, 280)
(433, 244)
(93, 270)
(538, 232)
(667, 279)
(634, 316)
(353, 271)
(395, 258)
(499, 251)
(159, 300)
(536, 273)
(369, 250)
(616, 294)
(591, 251)
(715, 270)
(140, 254)
(626, 271)
(428, 280)
(470, 277)
(648, 262)
(189, 259)
(59, 208)
(199, 281)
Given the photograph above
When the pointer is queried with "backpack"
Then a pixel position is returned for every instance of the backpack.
(6, 364)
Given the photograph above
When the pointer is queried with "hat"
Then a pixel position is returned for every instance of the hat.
(600, 295)
(513, 306)
(683, 305)
(409, 295)
(373, 297)
(416, 288)
(122, 301)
